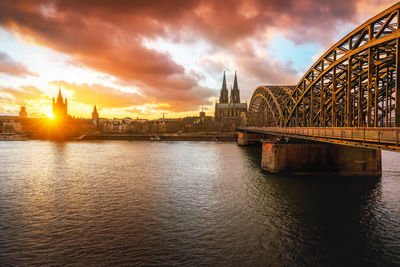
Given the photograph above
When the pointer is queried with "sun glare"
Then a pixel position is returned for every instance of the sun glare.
(50, 116)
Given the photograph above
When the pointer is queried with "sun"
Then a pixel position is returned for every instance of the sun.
(50, 115)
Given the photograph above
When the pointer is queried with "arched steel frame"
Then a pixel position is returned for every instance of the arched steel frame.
(356, 83)
(266, 105)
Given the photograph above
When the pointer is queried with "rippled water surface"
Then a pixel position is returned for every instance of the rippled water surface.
(187, 203)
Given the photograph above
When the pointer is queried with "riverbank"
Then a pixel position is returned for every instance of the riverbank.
(163, 137)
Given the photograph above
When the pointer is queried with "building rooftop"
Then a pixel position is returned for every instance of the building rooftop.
(231, 105)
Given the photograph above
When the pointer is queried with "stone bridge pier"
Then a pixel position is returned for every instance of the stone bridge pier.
(246, 138)
(301, 158)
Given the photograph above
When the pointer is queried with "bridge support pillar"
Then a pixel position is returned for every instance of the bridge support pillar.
(246, 139)
(319, 159)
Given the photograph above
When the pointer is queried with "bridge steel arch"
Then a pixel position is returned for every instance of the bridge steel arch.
(266, 105)
(356, 83)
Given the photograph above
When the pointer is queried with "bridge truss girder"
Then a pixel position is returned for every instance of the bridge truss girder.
(266, 105)
(356, 83)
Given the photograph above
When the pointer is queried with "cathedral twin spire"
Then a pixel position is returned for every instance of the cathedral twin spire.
(223, 98)
(235, 95)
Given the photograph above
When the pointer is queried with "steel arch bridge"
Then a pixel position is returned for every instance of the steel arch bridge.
(354, 85)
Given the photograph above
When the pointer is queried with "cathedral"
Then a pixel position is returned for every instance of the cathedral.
(60, 108)
(228, 110)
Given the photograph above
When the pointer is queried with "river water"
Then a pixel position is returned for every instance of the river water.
(187, 203)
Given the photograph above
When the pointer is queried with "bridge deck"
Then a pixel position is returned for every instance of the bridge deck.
(378, 138)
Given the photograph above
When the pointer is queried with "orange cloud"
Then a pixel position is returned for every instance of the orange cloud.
(9, 66)
(34, 99)
(110, 97)
(100, 95)
(24, 93)
(107, 36)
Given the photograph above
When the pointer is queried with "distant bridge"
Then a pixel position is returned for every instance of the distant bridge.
(350, 96)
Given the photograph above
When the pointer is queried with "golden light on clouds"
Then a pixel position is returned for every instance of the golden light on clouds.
(143, 59)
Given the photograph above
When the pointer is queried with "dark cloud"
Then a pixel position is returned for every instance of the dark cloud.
(108, 36)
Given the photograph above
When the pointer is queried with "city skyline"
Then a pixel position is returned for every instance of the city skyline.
(162, 65)
(199, 133)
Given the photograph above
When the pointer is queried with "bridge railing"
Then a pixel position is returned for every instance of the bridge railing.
(377, 135)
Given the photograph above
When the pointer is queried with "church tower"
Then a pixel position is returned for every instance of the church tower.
(95, 114)
(235, 94)
(22, 113)
(60, 108)
(223, 98)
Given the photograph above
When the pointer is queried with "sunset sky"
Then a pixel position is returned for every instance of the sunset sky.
(143, 58)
